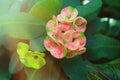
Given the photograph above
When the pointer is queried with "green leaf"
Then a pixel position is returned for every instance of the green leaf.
(27, 5)
(86, 12)
(45, 9)
(72, 3)
(16, 7)
(4, 39)
(112, 3)
(2, 36)
(37, 44)
(22, 25)
(76, 68)
(5, 5)
(114, 32)
(115, 61)
(15, 64)
(113, 12)
(111, 69)
(79, 69)
(103, 27)
(100, 46)
(114, 22)
(98, 26)
(2, 32)
(92, 27)
(114, 29)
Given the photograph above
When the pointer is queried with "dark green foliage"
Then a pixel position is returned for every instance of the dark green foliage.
(76, 68)
(90, 10)
(4, 63)
(101, 46)
(110, 69)
(70, 3)
(79, 69)
(113, 3)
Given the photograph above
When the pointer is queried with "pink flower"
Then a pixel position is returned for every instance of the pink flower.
(81, 49)
(65, 34)
(51, 26)
(67, 14)
(80, 23)
(56, 50)
(72, 41)
(74, 53)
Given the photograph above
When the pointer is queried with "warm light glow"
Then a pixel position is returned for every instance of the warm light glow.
(103, 19)
(112, 22)
(84, 2)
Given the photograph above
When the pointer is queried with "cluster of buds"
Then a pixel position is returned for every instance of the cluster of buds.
(65, 34)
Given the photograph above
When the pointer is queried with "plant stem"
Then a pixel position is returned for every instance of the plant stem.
(33, 74)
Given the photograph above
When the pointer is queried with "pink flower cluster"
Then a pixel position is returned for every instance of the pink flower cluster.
(65, 34)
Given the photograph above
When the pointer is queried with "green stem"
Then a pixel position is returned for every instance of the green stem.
(33, 74)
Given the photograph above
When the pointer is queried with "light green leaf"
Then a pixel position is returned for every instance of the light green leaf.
(5, 5)
(16, 6)
(2, 36)
(45, 9)
(22, 25)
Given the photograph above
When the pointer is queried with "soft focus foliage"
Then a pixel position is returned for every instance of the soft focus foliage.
(19, 25)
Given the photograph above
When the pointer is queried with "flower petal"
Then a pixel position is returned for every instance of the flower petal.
(67, 14)
(71, 45)
(66, 11)
(81, 24)
(57, 50)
